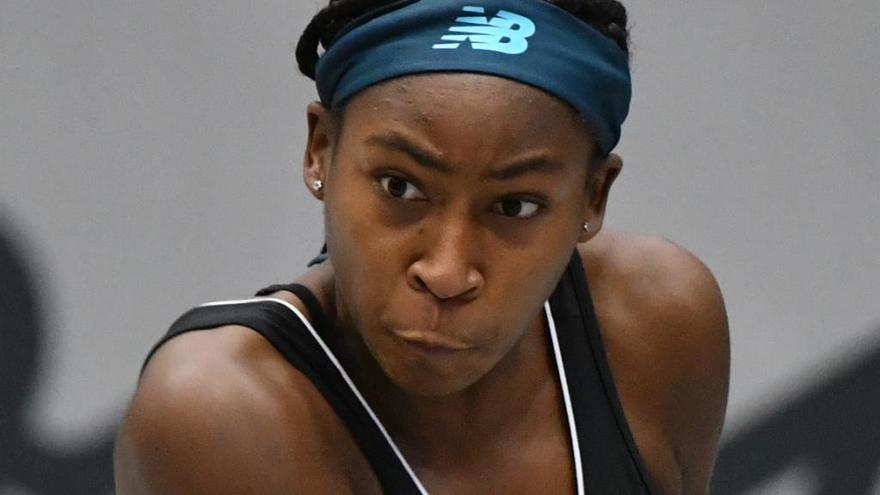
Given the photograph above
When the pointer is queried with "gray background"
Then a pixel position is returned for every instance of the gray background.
(150, 160)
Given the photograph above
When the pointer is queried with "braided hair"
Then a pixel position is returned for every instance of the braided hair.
(607, 16)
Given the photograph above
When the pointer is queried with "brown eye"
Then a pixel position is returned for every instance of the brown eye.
(517, 208)
(400, 188)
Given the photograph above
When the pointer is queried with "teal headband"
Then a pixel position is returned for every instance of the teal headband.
(530, 41)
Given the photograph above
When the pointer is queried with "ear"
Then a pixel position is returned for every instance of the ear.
(598, 187)
(319, 148)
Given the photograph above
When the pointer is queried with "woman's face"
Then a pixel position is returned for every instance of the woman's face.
(453, 203)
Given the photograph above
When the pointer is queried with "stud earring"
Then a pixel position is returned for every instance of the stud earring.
(318, 185)
(588, 227)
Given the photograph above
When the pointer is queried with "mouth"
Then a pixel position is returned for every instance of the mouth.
(431, 344)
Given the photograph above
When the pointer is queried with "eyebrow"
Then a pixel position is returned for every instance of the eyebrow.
(432, 161)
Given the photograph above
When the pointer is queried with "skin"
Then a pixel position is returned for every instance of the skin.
(449, 218)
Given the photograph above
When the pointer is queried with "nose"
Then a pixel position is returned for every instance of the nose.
(447, 268)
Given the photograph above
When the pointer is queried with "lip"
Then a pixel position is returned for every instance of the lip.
(431, 343)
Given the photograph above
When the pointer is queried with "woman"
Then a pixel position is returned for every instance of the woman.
(450, 342)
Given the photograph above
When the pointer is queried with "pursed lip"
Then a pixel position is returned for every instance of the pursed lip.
(431, 342)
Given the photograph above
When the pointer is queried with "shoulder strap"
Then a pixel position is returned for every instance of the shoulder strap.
(609, 457)
(300, 343)
(307, 297)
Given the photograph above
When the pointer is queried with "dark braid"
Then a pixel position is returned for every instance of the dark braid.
(608, 16)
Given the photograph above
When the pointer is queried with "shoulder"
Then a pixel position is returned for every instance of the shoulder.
(221, 411)
(651, 266)
(665, 328)
(653, 281)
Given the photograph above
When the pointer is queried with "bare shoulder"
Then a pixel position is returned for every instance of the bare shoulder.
(665, 329)
(652, 279)
(651, 262)
(221, 411)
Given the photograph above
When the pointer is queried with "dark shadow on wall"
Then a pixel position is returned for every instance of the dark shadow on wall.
(24, 463)
(834, 428)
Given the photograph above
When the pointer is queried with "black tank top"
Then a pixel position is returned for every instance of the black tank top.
(605, 456)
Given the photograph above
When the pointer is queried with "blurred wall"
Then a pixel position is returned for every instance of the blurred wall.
(150, 160)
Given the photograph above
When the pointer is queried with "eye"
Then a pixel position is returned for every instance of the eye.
(400, 188)
(517, 208)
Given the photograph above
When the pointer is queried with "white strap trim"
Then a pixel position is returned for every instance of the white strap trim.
(345, 377)
(566, 397)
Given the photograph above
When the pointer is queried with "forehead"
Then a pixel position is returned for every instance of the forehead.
(471, 117)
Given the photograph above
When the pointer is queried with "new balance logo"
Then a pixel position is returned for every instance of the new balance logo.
(505, 33)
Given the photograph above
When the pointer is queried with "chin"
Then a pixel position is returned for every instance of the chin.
(430, 375)
(422, 385)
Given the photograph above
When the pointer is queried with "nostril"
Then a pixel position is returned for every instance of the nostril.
(420, 284)
(468, 294)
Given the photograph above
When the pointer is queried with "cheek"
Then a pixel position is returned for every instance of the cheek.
(355, 229)
(368, 256)
(528, 274)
